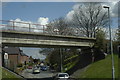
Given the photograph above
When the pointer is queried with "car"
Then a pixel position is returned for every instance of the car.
(43, 68)
(52, 70)
(36, 70)
(29, 67)
(62, 76)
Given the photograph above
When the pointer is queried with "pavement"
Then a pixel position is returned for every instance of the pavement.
(78, 73)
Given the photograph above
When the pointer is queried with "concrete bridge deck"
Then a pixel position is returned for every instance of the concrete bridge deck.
(32, 39)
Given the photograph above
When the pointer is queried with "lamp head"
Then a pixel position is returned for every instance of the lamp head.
(105, 7)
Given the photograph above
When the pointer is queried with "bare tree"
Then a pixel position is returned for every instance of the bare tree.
(89, 17)
(60, 26)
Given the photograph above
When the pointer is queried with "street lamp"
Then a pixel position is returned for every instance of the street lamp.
(111, 48)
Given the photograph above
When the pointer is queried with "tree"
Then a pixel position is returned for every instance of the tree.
(100, 45)
(89, 17)
(100, 40)
(54, 58)
(116, 42)
(118, 34)
(60, 26)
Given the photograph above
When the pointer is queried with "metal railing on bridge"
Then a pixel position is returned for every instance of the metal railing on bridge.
(7, 25)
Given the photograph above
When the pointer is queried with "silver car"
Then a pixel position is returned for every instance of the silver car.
(36, 70)
(61, 76)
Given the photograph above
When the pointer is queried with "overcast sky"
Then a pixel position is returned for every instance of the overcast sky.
(44, 12)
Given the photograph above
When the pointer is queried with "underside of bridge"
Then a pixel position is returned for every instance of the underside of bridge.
(40, 46)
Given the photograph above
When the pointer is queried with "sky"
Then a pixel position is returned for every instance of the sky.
(31, 11)
(34, 52)
(43, 13)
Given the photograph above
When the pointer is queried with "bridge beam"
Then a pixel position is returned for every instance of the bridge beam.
(28, 39)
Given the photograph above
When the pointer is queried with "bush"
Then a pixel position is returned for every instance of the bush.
(30, 64)
(20, 65)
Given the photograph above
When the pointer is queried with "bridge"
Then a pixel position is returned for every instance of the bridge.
(12, 35)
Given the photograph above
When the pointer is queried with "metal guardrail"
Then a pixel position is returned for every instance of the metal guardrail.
(31, 27)
(18, 26)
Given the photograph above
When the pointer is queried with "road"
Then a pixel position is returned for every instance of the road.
(43, 75)
(27, 73)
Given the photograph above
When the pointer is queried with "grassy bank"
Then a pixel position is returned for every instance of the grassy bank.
(101, 69)
(0, 73)
(69, 65)
(8, 75)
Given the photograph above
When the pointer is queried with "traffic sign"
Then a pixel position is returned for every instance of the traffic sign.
(6, 56)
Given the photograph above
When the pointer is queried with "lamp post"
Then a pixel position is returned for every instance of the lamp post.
(111, 47)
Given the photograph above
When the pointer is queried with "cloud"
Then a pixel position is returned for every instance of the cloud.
(43, 21)
(76, 6)
(113, 9)
(19, 23)
(38, 56)
(69, 15)
(34, 52)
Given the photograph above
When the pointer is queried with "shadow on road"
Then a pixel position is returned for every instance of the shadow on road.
(49, 78)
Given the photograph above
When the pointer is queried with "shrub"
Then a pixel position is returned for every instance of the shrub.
(30, 64)
(20, 65)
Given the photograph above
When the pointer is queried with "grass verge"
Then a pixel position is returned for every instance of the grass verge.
(0, 73)
(6, 75)
(101, 69)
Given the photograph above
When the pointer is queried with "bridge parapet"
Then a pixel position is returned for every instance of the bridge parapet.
(37, 28)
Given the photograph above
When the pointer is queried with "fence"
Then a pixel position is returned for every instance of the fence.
(37, 28)
(22, 26)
